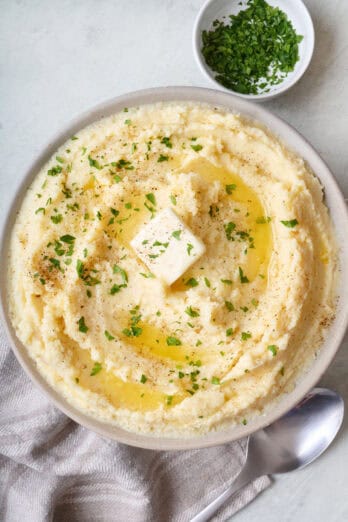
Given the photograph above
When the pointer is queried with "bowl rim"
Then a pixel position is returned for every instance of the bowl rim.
(339, 213)
(207, 72)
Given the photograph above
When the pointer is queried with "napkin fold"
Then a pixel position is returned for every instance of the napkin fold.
(54, 470)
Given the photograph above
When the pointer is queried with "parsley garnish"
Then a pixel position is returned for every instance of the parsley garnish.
(173, 199)
(96, 369)
(57, 218)
(229, 332)
(143, 379)
(197, 147)
(162, 158)
(189, 248)
(151, 198)
(94, 163)
(191, 312)
(54, 171)
(229, 306)
(192, 282)
(207, 282)
(177, 234)
(243, 278)
(109, 336)
(215, 380)
(245, 336)
(273, 348)
(173, 341)
(167, 142)
(290, 224)
(230, 188)
(82, 325)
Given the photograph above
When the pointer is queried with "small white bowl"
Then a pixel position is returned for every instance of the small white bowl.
(297, 13)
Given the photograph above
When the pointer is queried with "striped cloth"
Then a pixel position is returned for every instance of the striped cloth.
(52, 469)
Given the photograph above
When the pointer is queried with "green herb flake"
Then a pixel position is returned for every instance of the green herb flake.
(127, 122)
(215, 380)
(207, 282)
(172, 199)
(273, 349)
(229, 332)
(229, 306)
(176, 234)
(230, 188)
(166, 141)
(243, 278)
(96, 369)
(290, 224)
(109, 336)
(118, 270)
(173, 341)
(229, 228)
(143, 379)
(54, 171)
(263, 220)
(162, 158)
(67, 238)
(191, 312)
(197, 147)
(82, 325)
(245, 336)
(192, 282)
(169, 400)
(150, 197)
(57, 218)
(189, 248)
(226, 281)
(94, 163)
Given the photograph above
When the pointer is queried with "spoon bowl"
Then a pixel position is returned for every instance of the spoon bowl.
(290, 443)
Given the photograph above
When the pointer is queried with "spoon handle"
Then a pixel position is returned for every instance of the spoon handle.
(243, 478)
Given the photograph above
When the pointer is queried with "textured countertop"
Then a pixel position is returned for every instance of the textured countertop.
(61, 57)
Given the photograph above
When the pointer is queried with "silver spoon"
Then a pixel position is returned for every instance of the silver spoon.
(292, 442)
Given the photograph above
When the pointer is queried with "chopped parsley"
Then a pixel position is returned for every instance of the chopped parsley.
(151, 198)
(143, 379)
(82, 325)
(207, 282)
(67, 238)
(118, 270)
(226, 281)
(57, 218)
(177, 234)
(229, 306)
(192, 282)
(290, 224)
(169, 400)
(109, 336)
(166, 141)
(252, 51)
(245, 336)
(197, 147)
(243, 278)
(191, 312)
(230, 188)
(229, 228)
(229, 332)
(172, 199)
(189, 248)
(94, 163)
(273, 349)
(173, 341)
(96, 369)
(215, 380)
(54, 171)
(162, 158)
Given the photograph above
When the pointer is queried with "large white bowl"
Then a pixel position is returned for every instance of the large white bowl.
(333, 199)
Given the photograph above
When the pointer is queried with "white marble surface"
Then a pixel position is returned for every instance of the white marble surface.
(59, 57)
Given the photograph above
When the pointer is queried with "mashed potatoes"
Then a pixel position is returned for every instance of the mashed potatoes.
(234, 331)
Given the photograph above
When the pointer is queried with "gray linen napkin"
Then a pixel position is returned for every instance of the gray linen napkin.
(52, 469)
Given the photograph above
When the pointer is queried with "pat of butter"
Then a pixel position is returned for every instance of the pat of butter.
(167, 246)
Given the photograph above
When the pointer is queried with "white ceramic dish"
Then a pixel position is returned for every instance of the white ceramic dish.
(296, 11)
(334, 201)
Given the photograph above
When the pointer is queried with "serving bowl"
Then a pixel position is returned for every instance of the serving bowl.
(333, 198)
(296, 12)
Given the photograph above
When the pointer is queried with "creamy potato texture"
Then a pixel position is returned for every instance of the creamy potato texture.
(229, 336)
